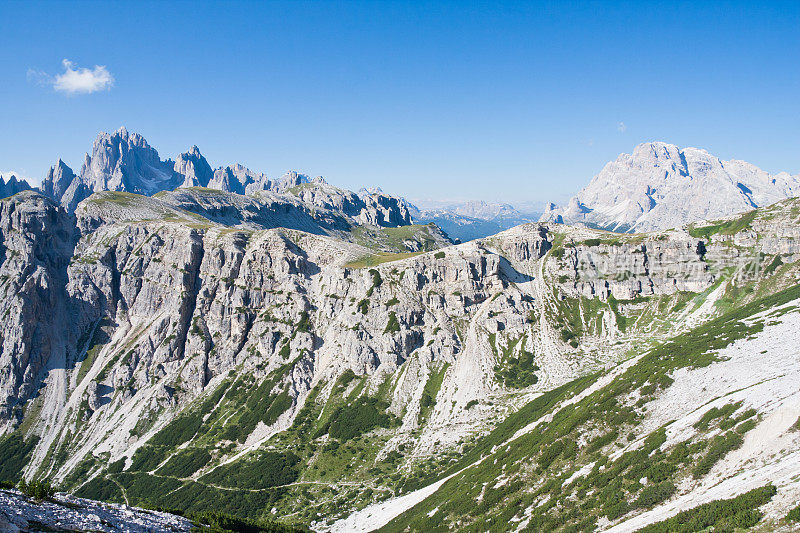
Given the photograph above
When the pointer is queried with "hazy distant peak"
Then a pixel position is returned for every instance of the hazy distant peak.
(660, 185)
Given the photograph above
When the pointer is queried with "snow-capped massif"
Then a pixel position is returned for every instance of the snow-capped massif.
(661, 186)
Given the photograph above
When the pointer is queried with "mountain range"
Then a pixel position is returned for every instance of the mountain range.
(310, 355)
(657, 186)
(125, 162)
(12, 186)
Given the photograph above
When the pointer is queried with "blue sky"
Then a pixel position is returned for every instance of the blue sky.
(516, 102)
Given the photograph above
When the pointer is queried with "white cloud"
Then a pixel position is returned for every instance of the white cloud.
(75, 80)
(83, 80)
(621, 127)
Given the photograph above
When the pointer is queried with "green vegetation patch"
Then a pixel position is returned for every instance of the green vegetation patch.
(259, 470)
(98, 340)
(373, 260)
(716, 413)
(717, 449)
(361, 416)
(794, 515)
(729, 227)
(516, 369)
(392, 325)
(185, 462)
(101, 489)
(740, 512)
(217, 522)
(124, 199)
(15, 452)
(431, 391)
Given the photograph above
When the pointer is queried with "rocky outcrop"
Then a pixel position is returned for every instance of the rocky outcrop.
(37, 239)
(63, 512)
(597, 269)
(373, 209)
(661, 186)
(382, 210)
(238, 179)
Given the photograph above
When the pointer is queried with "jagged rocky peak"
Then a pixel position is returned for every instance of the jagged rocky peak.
(57, 180)
(12, 186)
(385, 210)
(239, 179)
(290, 179)
(120, 161)
(660, 186)
(123, 161)
(194, 168)
(375, 209)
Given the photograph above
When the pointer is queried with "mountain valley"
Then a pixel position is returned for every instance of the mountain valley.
(183, 338)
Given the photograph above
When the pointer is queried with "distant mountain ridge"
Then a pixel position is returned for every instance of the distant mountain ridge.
(125, 162)
(12, 186)
(661, 186)
(470, 220)
(657, 186)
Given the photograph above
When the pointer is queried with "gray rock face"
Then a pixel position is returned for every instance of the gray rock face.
(626, 270)
(125, 162)
(63, 274)
(328, 211)
(67, 513)
(238, 179)
(12, 186)
(194, 168)
(382, 210)
(57, 181)
(375, 209)
(661, 186)
(37, 239)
